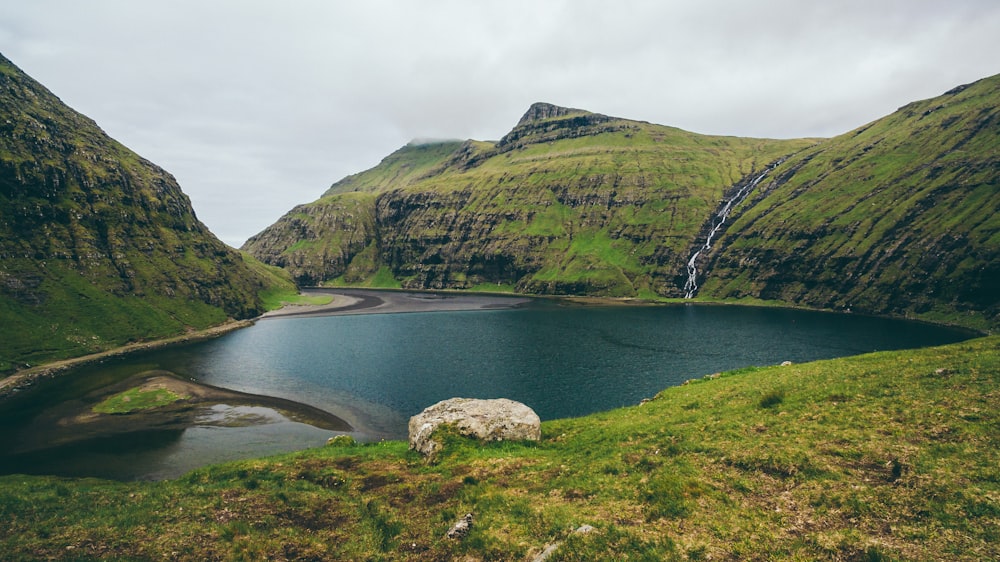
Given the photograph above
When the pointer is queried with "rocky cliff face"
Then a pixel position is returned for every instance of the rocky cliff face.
(97, 245)
(568, 202)
(333, 237)
(898, 216)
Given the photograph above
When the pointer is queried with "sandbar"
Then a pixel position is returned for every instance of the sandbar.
(371, 301)
(75, 420)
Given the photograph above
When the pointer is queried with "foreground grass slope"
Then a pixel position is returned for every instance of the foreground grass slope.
(99, 247)
(901, 216)
(888, 456)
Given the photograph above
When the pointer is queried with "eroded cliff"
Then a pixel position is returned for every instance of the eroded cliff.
(568, 202)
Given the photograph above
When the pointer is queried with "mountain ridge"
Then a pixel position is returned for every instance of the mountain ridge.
(573, 202)
(533, 212)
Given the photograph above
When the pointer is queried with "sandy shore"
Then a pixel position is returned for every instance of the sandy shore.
(366, 301)
(21, 380)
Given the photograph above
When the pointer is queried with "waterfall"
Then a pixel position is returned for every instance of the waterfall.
(691, 286)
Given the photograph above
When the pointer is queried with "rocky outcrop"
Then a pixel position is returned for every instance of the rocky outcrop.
(545, 122)
(540, 111)
(487, 420)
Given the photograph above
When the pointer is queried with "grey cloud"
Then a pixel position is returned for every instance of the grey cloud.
(257, 106)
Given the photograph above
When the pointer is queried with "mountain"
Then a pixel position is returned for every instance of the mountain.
(99, 247)
(897, 217)
(568, 202)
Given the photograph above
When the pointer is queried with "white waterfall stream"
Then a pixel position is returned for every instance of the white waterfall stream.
(691, 286)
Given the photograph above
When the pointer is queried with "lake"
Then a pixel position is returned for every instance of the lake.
(377, 370)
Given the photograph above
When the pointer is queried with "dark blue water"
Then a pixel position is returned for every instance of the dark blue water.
(377, 370)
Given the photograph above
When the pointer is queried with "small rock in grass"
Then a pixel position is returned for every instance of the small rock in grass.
(461, 528)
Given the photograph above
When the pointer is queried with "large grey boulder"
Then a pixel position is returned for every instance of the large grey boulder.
(487, 420)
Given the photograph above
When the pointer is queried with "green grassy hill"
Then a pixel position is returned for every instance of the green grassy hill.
(897, 217)
(887, 456)
(568, 202)
(99, 247)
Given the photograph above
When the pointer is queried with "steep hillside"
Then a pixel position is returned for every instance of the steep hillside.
(898, 216)
(99, 247)
(567, 202)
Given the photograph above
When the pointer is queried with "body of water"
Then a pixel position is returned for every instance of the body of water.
(377, 370)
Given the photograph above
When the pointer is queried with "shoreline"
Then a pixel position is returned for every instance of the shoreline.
(345, 301)
(76, 421)
(21, 380)
(357, 301)
(350, 301)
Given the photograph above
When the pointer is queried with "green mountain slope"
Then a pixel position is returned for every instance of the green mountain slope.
(99, 247)
(568, 202)
(898, 216)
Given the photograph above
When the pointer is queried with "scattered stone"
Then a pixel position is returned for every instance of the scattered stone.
(550, 549)
(713, 376)
(786, 363)
(487, 420)
(644, 401)
(461, 528)
(942, 372)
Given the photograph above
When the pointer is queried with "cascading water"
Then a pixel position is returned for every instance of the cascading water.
(691, 286)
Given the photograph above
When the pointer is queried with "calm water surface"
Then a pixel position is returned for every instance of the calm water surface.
(377, 370)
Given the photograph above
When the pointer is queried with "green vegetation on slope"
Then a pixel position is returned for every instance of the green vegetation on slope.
(568, 202)
(99, 247)
(897, 217)
(887, 456)
(406, 165)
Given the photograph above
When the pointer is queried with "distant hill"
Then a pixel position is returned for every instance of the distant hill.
(897, 217)
(99, 247)
(568, 202)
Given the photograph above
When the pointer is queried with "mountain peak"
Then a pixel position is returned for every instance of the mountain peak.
(541, 110)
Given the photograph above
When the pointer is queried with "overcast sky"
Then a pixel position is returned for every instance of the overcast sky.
(257, 106)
